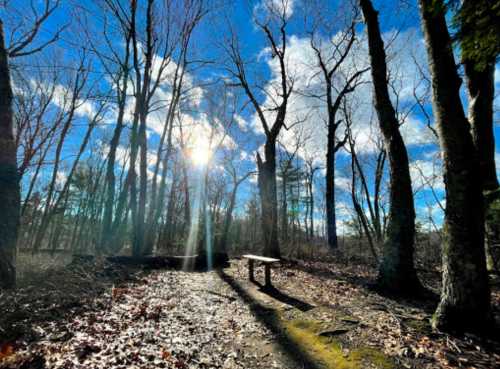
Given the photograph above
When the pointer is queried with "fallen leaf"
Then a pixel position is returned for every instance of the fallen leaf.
(6, 350)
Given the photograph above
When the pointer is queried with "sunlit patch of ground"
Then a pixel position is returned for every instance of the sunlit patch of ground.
(162, 319)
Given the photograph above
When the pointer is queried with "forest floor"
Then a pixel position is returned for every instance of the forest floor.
(319, 315)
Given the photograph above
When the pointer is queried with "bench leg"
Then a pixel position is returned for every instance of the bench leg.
(250, 270)
(267, 272)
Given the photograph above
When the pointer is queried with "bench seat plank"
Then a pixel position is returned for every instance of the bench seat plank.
(262, 259)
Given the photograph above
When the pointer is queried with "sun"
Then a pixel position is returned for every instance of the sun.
(201, 153)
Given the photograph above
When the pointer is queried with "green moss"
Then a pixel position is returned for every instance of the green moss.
(421, 326)
(309, 325)
(328, 351)
(374, 356)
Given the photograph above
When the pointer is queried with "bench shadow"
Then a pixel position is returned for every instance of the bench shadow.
(276, 294)
(270, 318)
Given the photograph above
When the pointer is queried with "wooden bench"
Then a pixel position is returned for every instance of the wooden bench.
(267, 265)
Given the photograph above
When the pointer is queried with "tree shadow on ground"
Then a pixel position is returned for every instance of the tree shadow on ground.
(270, 318)
(276, 294)
(425, 300)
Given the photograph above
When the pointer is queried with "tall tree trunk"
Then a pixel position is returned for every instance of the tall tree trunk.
(268, 198)
(222, 247)
(481, 88)
(284, 208)
(379, 172)
(158, 197)
(133, 183)
(396, 271)
(331, 219)
(311, 205)
(465, 295)
(140, 225)
(169, 219)
(9, 182)
(107, 234)
(363, 221)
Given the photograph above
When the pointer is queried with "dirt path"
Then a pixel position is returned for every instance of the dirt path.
(168, 319)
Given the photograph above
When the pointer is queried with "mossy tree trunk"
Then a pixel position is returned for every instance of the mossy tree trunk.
(9, 182)
(465, 295)
(396, 270)
(481, 90)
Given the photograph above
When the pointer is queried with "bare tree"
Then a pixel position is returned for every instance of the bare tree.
(274, 28)
(373, 224)
(311, 169)
(396, 271)
(74, 98)
(9, 178)
(330, 59)
(237, 179)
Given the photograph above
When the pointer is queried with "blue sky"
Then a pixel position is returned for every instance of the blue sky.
(399, 23)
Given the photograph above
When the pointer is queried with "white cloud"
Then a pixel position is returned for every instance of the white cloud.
(342, 183)
(273, 8)
(426, 173)
(303, 68)
(416, 133)
(62, 97)
(242, 123)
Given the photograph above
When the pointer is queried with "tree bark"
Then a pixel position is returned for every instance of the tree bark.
(284, 207)
(396, 271)
(9, 180)
(481, 89)
(311, 203)
(465, 295)
(268, 198)
(331, 219)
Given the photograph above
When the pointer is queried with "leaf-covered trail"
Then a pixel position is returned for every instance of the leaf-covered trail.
(168, 319)
(320, 315)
